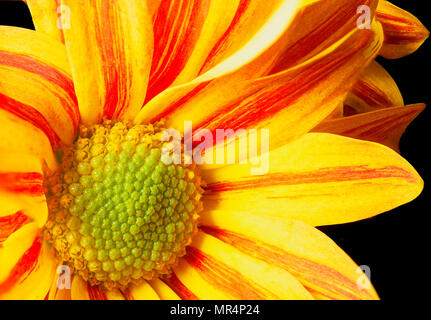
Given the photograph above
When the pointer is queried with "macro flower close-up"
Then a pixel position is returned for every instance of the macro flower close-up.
(184, 149)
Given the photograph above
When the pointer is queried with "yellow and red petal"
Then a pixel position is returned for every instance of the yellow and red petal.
(288, 103)
(163, 290)
(375, 89)
(82, 290)
(320, 179)
(110, 45)
(404, 33)
(35, 83)
(26, 274)
(306, 253)
(21, 187)
(384, 126)
(215, 270)
(47, 15)
(142, 291)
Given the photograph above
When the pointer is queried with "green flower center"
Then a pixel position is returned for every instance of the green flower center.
(118, 214)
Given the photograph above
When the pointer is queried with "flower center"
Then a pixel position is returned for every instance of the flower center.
(118, 214)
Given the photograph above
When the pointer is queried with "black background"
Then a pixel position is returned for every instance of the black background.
(395, 244)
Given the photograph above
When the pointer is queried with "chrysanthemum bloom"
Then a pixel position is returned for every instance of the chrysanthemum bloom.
(83, 188)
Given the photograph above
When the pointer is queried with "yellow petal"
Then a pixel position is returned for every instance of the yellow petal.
(81, 290)
(215, 270)
(142, 291)
(320, 179)
(35, 83)
(308, 254)
(404, 33)
(110, 46)
(374, 90)
(384, 126)
(163, 290)
(47, 15)
(32, 275)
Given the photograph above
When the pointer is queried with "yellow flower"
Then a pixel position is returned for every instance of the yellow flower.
(83, 103)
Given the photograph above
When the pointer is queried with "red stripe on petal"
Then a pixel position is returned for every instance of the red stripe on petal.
(95, 293)
(177, 26)
(224, 40)
(179, 288)
(306, 271)
(28, 183)
(30, 115)
(52, 75)
(11, 223)
(324, 175)
(26, 264)
(220, 275)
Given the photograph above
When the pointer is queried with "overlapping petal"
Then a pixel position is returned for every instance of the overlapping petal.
(404, 33)
(214, 270)
(320, 179)
(35, 83)
(309, 255)
(110, 45)
(385, 126)
(375, 89)
(27, 267)
(288, 103)
(47, 17)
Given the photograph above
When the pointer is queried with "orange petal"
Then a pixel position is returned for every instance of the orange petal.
(320, 25)
(375, 89)
(320, 179)
(288, 103)
(308, 254)
(404, 33)
(47, 17)
(214, 270)
(385, 126)
(31, 276)
(35, 83)
(110, 46)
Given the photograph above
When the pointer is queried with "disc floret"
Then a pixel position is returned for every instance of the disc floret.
(118, 214)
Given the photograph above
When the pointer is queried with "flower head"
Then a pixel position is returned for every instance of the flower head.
(89, 191)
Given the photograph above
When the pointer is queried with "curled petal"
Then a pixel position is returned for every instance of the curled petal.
(404, 33)
(384, 126)
(375, 89)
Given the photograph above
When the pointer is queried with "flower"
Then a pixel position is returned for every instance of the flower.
(83, 104)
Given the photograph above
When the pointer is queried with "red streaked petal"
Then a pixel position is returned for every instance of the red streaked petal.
(319, 178)
(117, 39)
(214, 270)
(375, 89)
(404, 33)
(11, 223)
(177, 26)
(39, 64)
(385, 126)
(26, 183)
(308, 254)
